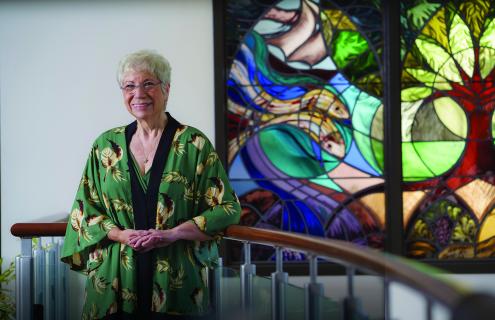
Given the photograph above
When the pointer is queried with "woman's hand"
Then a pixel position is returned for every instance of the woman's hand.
(146, 240)
(153, 239)
(125, 236)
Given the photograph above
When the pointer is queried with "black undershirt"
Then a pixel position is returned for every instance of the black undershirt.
(144, 207)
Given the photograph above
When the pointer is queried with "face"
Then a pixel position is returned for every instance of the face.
(146, 102)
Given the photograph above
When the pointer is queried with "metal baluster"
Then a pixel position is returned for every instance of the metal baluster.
(429, 309)
(62, 294)
(23, 281)
(350, 307)
(386, 298)
(279, 281)
(248, 271)
(39, 275)
(50, 280)
(313, 292)
(218, 290)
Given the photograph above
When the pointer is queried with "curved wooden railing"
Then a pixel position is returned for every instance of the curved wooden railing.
(392, 268)
(42, 229)
(378, 263)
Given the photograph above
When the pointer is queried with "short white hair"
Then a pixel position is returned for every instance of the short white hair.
(145, 60)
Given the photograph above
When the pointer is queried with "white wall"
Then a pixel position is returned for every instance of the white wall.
(58, 89)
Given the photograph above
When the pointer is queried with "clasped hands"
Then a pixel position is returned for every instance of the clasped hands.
(146, 240)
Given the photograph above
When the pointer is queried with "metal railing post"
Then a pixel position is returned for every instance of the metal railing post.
(62, 283)
(279, 281)
(248, 271)
(218, 282)
(23, 281)
(313, 292)
(38, 273)
(49, 306)
(386, 298)
(350, 302)
(429, 309)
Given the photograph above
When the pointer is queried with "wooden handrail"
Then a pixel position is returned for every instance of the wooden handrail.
(42, 229)
(51, 226)
(390, 267)
(363, 258)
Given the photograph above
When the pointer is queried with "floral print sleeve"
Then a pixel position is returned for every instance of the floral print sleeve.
(219, 206)
(88, 221)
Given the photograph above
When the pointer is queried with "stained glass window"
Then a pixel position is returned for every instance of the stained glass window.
(304, 117)
(448, 57)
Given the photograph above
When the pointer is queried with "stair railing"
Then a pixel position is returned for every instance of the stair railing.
(459, 300)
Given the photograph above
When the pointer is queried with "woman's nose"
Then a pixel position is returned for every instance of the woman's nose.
(139, 91)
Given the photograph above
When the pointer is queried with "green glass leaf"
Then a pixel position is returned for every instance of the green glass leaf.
(415, 93)
(438, 59)
(377, 147)
(487, 49)
(419, 14)
(439, 156)
(452, 115)
(461, 44)
(433, 80)
(347, 46)
(413, 168)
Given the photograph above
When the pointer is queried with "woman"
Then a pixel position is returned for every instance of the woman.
(151, 200)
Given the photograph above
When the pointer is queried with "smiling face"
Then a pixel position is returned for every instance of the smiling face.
(147, 102)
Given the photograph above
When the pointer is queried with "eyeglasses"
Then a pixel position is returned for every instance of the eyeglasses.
(147, 86)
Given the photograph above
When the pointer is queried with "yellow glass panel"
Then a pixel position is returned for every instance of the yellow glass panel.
(486, 249)
(475, 13)
(327, 28)
(376, 203)
(452, 115)
(478, 195)
(410, 202)
(339, 20)
(457, 251)
(436, 29)
(487, 228)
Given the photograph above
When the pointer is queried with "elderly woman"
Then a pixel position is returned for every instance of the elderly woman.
(152, 198)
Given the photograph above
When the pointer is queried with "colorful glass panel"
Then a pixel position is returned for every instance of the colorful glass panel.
(448, 98)
(305, 117)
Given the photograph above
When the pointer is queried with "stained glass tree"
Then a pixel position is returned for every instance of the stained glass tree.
(448, 54)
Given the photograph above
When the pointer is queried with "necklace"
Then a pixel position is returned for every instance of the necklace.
(147, 156)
